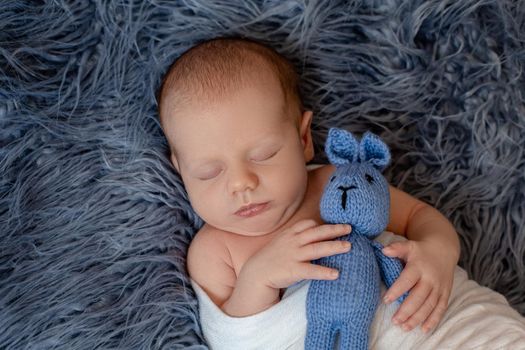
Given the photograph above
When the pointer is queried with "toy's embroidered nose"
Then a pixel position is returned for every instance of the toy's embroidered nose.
(343, 198)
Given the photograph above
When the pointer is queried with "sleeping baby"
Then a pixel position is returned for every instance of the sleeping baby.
(240, 139)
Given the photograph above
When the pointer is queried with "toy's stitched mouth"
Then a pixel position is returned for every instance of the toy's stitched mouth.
(344, 196)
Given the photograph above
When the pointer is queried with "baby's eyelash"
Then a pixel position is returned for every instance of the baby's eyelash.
(265, 157)
(210, 175)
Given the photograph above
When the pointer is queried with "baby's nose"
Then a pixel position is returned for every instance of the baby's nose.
(242, 179)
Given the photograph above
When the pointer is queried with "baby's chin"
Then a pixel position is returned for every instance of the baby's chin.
(251, 230)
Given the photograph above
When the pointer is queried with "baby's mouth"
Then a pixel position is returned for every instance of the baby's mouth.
(251, 209)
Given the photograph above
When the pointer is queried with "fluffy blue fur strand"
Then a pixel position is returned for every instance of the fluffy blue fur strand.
(94, 222)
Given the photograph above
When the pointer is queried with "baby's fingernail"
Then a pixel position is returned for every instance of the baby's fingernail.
(396, 321)
(387, 299)
(334, 274)
(425, 329)
(348, 228)
(405, 327)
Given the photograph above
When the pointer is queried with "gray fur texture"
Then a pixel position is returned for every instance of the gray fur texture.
(95, 223)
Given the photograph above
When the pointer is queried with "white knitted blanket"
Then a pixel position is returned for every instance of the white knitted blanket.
(477, 318)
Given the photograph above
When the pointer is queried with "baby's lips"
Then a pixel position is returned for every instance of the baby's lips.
(251, 209)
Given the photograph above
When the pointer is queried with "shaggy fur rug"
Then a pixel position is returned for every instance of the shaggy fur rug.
(94, 222)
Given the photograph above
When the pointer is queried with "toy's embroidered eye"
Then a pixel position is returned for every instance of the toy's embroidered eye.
(369, 178)
(332, 178)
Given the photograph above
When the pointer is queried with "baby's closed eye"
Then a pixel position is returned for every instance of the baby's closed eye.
(264, 154)
(207, 173)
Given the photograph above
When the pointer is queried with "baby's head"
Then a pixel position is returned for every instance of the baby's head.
(238, 134)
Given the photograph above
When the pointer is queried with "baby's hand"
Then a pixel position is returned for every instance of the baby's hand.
(428, 274)
(287, 258)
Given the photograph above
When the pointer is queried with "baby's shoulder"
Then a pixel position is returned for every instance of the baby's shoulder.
(207, 243)
(318, 176)
(321, 170)
(205, 235)
(209, 264)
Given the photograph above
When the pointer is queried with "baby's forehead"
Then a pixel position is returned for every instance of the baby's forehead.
(187, 103)
(218, 86)
(197, 93)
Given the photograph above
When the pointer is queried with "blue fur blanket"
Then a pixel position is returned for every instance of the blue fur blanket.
(94, 222)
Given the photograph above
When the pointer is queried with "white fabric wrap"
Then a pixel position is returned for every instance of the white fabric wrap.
(477, 318)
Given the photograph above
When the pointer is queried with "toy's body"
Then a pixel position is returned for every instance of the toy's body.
(325, 317)
(357, 194)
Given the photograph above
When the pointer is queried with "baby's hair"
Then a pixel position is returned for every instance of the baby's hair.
(215, 67)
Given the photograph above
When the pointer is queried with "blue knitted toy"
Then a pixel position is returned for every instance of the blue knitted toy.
(357, 194)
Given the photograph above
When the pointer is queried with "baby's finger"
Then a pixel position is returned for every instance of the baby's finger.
(417, 297)
(406, 280)
(437, 314)
(398, 250)
(422, 313)
(318, 250)
(323, 233)
(310, 271)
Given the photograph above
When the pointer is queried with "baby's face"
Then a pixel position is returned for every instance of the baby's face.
(242, 159)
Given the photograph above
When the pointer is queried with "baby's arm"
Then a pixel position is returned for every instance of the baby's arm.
(431, 254)
(282, 262)
(209, 264)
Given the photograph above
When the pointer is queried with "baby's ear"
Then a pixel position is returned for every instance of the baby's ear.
(341, 147)
(374, 151)
(306, 136)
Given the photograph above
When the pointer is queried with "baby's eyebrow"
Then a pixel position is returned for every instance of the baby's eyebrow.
(266, 142)
(270, 146)
(271, 138)
(191, 162)
(196, 165)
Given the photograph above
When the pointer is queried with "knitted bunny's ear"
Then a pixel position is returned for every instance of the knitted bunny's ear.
(374, 151)
(341, 147)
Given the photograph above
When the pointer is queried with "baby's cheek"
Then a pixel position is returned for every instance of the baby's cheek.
(291, 184)
(202, 200)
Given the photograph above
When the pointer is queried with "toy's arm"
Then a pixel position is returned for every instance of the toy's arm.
(390, 267)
